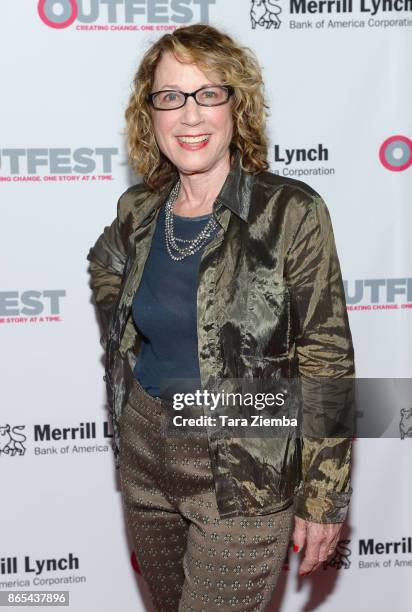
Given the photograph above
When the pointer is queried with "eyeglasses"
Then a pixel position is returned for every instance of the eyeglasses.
(169, 99)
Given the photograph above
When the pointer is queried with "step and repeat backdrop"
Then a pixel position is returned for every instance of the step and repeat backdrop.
(338, 81)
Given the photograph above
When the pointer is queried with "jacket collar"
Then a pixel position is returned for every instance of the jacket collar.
(237, 188)
(235, 194)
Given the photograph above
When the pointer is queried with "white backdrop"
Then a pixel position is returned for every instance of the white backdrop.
(339, 84)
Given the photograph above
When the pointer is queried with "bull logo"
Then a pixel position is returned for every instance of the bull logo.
(405, 424)
(265, 13)
(11, 441)
(340, 558)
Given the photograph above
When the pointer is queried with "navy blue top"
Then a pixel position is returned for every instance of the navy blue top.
(164, 310)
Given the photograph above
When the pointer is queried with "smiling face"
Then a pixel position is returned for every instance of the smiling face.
(213, 124)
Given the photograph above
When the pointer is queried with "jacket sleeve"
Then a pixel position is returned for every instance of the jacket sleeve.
(326, 368)
(107, 260)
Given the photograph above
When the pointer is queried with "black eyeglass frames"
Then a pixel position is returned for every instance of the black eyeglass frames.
(170, 99)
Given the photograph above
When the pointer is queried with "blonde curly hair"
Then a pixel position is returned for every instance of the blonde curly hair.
(215, 52)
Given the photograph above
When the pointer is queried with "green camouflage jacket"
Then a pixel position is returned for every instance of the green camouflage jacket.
(270, 303)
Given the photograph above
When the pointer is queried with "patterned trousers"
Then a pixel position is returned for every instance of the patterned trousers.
(191, 559)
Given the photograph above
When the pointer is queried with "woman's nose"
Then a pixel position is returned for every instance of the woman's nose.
(191, 112)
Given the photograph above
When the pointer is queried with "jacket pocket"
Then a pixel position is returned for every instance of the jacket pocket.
(268, 322)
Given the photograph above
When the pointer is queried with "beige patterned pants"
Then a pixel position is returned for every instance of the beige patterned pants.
(191, 559)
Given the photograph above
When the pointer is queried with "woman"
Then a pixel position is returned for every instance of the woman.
(217, 269)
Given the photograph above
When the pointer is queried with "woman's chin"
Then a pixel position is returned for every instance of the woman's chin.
(192, 165)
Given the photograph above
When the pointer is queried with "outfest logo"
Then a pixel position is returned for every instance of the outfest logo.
(31, 306)
(123, 14)
(37, 164)
(65, 15)
(395, 153)
(378, 294)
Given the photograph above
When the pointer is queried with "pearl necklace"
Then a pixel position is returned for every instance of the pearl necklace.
(194, 244)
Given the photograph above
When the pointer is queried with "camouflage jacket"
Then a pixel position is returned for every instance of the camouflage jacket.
(270, 302)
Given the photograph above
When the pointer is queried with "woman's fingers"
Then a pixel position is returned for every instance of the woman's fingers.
(299, 534)
(314, 539)
(320, 539)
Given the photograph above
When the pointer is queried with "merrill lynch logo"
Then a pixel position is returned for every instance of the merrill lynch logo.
(405, 424)
(11, 441)
(340, 560)
(264, 13)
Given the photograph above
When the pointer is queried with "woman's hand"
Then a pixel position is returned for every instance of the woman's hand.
(321, 540)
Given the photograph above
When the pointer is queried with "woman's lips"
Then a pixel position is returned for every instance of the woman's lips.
(193, 146)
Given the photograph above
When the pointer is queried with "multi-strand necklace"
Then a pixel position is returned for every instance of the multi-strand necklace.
(193, 244)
